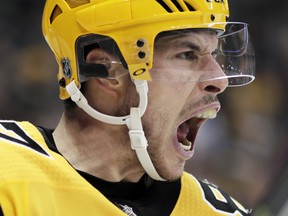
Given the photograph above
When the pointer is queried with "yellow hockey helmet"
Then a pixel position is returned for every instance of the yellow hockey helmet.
(131, 24)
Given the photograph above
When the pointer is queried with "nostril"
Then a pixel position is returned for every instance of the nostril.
(212, 88)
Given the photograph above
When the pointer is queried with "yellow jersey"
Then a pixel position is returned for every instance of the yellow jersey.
(36, 180)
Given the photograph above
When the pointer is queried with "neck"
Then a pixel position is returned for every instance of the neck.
(100, 149)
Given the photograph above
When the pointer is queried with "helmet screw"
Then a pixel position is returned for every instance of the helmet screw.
(140, 43)
(227, 18)
(141, 54)
(62, 82)
(212, 17)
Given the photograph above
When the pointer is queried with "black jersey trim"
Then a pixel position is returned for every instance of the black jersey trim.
(1, 212)
(47, 135)
(25, 140)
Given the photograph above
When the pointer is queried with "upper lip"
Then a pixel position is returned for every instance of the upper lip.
(195, 112)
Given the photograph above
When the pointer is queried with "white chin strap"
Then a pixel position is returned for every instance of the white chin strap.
(133, 122)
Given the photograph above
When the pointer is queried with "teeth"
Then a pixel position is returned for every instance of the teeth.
(186, 145)
(208, 114)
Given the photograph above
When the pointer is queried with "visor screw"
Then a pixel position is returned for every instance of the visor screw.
(140, 43)
(227, 18)
(212, 17)
(141, 54)
(62, 82)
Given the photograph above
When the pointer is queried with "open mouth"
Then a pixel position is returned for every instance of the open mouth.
(187, 131)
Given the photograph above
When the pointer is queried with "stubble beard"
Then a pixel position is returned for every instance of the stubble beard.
(156, 145)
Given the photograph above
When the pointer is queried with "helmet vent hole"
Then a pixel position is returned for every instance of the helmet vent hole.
(76, 3)
(55, 13)
(190, 8)
(172, 6)
(165, 6)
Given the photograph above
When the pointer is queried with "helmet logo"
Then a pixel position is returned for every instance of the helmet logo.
(139, 72)
(66, 67)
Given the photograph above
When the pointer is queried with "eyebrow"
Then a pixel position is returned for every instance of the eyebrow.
(175, 36)
(178, 40)
(190, 45)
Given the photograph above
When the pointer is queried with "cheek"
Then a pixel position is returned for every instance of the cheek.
(169, 94)
(165, 104)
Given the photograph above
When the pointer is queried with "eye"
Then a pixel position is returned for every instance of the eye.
(189, 55)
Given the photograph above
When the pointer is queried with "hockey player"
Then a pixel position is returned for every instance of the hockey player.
(138, 79)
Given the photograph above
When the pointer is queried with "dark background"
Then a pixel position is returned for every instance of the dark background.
(244, 150)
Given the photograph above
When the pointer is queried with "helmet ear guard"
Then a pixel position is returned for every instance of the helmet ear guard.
(111, 55)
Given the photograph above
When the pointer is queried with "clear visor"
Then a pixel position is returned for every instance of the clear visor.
(190, 55)
(200, 55)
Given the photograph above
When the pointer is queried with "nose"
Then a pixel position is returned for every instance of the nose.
(213, 78)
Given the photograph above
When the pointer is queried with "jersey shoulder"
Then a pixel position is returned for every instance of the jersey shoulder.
(22, 135)
(23, 150)
(26, 158)
(200, 198)
(35, 179)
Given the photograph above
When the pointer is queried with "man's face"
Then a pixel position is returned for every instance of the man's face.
(181, 90)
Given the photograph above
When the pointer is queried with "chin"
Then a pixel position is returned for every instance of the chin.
(171, 172)
(173, 176)
(169, 165)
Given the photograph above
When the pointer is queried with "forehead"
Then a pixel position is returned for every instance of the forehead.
(196, 39)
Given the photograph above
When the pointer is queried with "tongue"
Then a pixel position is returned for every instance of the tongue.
(182, 132)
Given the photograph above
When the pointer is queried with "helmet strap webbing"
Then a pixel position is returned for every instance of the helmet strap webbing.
(77, 96)
(133, 122)
(139, 143)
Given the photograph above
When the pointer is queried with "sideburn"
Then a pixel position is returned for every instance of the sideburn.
(130, 97)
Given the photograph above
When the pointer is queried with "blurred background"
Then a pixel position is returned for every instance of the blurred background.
(244, 150)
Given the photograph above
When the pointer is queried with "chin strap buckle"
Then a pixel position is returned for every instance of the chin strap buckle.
(138, 139)
(136, 133)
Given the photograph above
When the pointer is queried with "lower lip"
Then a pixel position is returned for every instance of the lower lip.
(186, 155)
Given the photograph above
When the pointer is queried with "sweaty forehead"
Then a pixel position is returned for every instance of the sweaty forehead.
(201, 40)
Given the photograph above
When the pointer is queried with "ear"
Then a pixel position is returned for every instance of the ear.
(109, 86)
